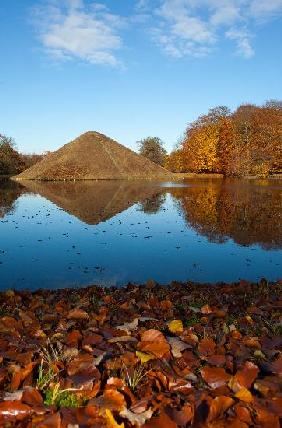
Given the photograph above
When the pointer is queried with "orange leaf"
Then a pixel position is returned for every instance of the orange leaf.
(218, 406)
(245, 377)
(12, 410)
(244, 395)
(215, 377)
(206, 347)
(77, 314)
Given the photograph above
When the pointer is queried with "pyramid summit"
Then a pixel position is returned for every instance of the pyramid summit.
(94, 156)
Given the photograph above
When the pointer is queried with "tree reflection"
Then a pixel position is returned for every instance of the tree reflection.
(10, 191)
(249, 212)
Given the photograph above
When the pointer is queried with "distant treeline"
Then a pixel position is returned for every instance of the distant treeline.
(11, 161)
(245, 142)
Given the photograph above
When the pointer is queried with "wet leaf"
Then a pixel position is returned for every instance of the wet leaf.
(14, 410)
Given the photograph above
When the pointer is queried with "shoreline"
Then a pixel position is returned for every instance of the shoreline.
(185, 354)
(173, 177)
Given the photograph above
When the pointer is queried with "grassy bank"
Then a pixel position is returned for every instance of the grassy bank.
(147, 356)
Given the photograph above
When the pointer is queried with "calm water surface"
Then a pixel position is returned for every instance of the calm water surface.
(74, 234)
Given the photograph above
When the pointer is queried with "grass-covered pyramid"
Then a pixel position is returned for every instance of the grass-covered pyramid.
(94, 156)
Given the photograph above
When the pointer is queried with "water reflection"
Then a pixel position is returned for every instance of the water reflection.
(10, 191)
(56, 234)
(153, 204)
(97, 201)
(249, 212)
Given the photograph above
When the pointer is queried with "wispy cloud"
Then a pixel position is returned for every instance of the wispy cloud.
(88, 31)
(194, 27)
(71, 29)
(242, 40)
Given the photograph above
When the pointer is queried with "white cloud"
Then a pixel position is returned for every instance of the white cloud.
(265, 8)
(69, 29)
(88, 31)
(242, 40)
(194, 27)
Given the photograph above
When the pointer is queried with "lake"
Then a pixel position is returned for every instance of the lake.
(66, 234)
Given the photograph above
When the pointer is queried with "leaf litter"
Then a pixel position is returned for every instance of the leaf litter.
(186, 355)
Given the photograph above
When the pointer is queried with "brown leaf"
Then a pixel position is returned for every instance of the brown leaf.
(77, 314)
(20, 375)
(206, 347)
(152, 336)
(162, 421)
(14, 410)
(73, 338)
(136, 419)
(52, 421)
(183, 416)
(276, 366)
(154, 342)
(80, 363)
(215, 377)
(32, 397)
(111, 399)
(177, 346)
(245, 377)
(218, 406)
(129, 326)
(216, 360)
(243, 413)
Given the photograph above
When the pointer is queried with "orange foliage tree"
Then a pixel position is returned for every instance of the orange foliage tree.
(246, 142)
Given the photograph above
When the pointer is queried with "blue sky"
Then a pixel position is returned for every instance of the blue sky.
(131, 68)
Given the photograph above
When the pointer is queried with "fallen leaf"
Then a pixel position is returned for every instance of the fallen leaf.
(244, 395)
(206, 347)
(111, 422)
(129, 326)
(218, 406)
(77, 314)
(177, 346)
(52, 421)
(215, 377)
(136, 419)
(144, 357)
(245, 377)
(175, 326)
(153, 342)
(14, 410)
(161, 421)
(122, 339)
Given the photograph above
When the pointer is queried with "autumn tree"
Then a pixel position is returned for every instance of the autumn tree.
(10, 160)
(246, 142)
(201, 141)
(153, 149)
(176, 161)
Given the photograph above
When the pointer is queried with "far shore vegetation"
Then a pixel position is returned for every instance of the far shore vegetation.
(243, 143)
(11, 161)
